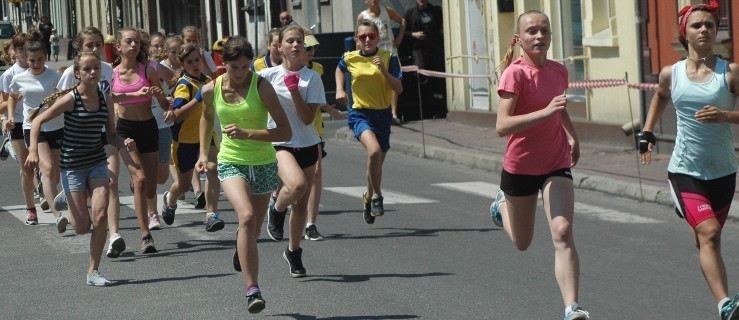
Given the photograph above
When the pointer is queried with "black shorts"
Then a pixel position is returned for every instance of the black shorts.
(305, 157)
(53, 138)
(17, 132)
(145, 133)
(521, 185)
(323, 149)
(698, 200)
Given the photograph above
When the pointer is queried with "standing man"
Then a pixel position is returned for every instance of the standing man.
(45, 26)
(424, 27)
(286, 18)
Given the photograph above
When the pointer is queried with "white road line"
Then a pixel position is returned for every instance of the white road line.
(390, 197)
(487, 190)
(20, 213)
(182, 206)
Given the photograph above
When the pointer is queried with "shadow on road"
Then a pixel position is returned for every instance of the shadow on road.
(353, 278)
(123, 282)
(298, 316)
(405, 232)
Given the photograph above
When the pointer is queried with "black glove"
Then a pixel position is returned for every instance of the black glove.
(645, 138)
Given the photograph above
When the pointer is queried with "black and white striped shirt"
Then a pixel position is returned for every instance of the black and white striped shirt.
(82, 146)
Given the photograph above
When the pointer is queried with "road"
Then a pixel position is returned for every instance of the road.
(434, 255)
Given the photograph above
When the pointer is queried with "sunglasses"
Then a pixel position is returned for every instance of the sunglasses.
(367, 36)
(311, 48)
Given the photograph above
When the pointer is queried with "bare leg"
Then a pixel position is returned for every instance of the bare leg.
(708, 237)
(315, 191)
(99, 197)
(212, 184)
(559, 204)
(49, 166)
(375, 159)
(27, 185)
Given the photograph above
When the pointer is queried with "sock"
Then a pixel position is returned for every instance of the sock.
(375, 196)
(307, 225)
(252, 290)
(279, 211)
(722, 303)
(568, 309)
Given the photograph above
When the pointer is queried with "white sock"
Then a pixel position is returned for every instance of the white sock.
(722, 303)
(307, 225)
(568, 309)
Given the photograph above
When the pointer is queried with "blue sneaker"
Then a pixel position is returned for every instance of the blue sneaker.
(730, 310)
(213, 222)
(167, 211)
(577, 313)
(495, 208)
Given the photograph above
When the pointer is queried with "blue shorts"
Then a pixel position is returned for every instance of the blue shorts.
(76, 180)
(378, 121)
(165, 145)
(261, 178)
(185, 155)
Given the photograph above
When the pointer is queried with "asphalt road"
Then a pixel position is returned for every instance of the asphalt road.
(434, 255)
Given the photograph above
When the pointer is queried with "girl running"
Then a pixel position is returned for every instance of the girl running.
(13, 124)
(32, 86)
(273, 56)
(83, 157)
(134, 84)
(300, 92)
(90, 40)
(247, 166)
(702, 174)
(532, 106)
(375, 74)
(186, 144)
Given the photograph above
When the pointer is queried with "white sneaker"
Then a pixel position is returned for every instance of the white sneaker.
(60, 201)
(61, 223)
(97, 280)
(44, 204)
(116, 247)
(577, 313)
(154, 221)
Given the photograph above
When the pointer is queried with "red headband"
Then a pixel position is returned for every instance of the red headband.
(687, 10)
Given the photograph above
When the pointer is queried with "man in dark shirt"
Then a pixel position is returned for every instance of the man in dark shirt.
(424, 26)
(44, 27)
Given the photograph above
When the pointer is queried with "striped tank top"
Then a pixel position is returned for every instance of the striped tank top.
(82, 146)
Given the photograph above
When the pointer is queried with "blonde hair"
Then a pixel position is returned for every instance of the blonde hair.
(54, 96)
(182, 52)
(508, 58)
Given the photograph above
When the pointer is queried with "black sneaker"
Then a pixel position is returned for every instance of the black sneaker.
(167, 211)
(276, 223)
(255, 303)
(377, 207)
(5, 148)
(311, 233)
(367, 210)
(199, 200)
(235, 258)
(730, 309)
(213, 223)
(295, 261)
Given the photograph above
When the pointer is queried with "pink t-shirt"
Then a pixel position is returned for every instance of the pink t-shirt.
(542, 148)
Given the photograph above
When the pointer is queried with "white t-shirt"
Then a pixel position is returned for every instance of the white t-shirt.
(5, 80)
(311, 89)
(209, 61)
(155, 108)
(34, 90)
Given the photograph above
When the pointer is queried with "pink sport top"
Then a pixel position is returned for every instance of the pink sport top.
(120, 87)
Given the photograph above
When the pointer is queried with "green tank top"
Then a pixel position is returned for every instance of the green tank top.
(249, 114)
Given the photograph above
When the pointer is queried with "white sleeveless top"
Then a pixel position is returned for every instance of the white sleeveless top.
(386, 32)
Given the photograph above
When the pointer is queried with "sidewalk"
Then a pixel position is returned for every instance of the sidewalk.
(610, 170)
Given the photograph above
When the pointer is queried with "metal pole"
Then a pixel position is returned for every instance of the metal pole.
(633, 132)
(420, 112)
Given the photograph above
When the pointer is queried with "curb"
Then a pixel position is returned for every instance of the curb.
(494, 164)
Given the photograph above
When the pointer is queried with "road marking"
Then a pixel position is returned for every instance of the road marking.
(20, 213)
(390, 197)
(182, 206)
(487, 190)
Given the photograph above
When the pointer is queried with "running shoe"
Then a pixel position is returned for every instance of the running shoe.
(199, 200)
(44, 204)
(147, 244)
(167, 211)
(60, 201)
(5, 148)
(154, 223)
(311, 233)
(577, 313)
(255, 303)
(213, 223)
(367, 210)
(295, 261)
(272, 200)
(31, 217)
(61, 224)
(235, 257)
(276, 223)
(730, 310)
(377, 208)
(116, 246)
(12, 153)
(97, 280)
(495, 208)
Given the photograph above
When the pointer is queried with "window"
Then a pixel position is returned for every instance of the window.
(600, 28)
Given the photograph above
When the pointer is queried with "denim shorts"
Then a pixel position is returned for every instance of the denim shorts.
(76, 180)
(262, 178)
(165, 145)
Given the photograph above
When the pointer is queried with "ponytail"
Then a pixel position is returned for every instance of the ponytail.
(48, 101)
(508, 58)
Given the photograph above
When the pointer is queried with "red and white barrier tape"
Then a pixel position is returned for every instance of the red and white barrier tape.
(577, 84)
